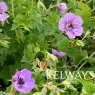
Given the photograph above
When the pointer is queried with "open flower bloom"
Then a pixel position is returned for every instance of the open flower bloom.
(23, 82)
(71, 25)
(62, 7)
(59, 54)
(3, 9)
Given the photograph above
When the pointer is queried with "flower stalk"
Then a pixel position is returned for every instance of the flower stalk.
(12, 2)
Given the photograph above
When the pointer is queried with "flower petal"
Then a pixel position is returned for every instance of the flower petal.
(28, 86)
(61, 54)
(22, 89)
(70, 34)
(3, 17)
(15, 77)
(68, 17)
(25, 73)
(61, 25)
(30, 83)
(54, 51)
(77, 21)
(78, 31)
(16, 86)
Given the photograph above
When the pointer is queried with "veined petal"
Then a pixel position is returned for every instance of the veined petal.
(78, 31)
(30, 83)
(15, 77)
(70, 34)
(68, 17)
(61, 25)
(25, 73)
(3, 16)
(77, 21)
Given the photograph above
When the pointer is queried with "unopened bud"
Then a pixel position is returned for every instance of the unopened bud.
(80, 43)
(62, 7)
(87, 33)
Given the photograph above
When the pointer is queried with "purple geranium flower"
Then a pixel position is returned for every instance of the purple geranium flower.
(71, 25)
(62, 7)
(61, 54)
(23, 82)
(3, 9)
(56, 53)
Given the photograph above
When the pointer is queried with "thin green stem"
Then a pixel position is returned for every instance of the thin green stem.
(93, 9)
(75, 4)
(89, 1)
(92, 54)
(82, 65)
(51, 7)
(86, 61)
(83, 59)
(12, 2)
(83, 38)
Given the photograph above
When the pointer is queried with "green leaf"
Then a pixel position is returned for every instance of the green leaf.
(44, 91)
(75, 53)
(52, 60)
(83, 10)
(62, 42)
(37, 93)
(88, 87)
(91, 60)
(29, 54)
(4, 43)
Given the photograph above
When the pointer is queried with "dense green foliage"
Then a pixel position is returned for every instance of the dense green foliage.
(28, 36)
